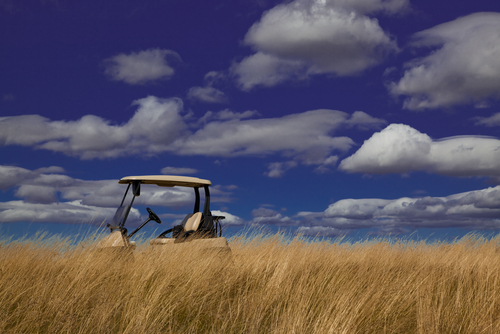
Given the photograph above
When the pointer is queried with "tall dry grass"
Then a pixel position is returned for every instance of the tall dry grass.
(271, 285)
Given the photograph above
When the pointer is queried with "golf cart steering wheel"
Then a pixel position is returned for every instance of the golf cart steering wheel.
(153, 216)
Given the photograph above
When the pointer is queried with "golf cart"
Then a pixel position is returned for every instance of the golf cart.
(199, 228)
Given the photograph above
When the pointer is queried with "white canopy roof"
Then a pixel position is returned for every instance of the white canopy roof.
(167, 180)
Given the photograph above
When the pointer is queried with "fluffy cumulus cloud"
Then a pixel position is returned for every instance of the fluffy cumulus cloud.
(400, 149)
(306, 136)
(306, 37)
(158, 126)
(462, 67)
(229, 219)
(156, 123)
(371, 6)
(474, 210)
(266, 216)
(226, 115)
(277, 169)
(266, 70)
(40, 191)
(141, 67)
(72, 212)
(48, 195)
(208, 93)
(493, 120)
(261, 217)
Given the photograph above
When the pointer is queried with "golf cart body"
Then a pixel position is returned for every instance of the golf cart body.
(198, 226)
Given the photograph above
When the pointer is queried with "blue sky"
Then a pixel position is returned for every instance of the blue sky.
(323, 117)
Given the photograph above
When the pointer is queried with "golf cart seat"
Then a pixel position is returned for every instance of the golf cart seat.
(193, 222)
(189, 225)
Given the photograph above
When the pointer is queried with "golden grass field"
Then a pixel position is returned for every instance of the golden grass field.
(271, 285)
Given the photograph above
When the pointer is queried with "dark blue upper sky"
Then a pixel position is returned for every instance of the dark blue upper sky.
(325, 117)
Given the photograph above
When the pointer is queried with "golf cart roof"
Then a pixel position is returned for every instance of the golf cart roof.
(167, 180)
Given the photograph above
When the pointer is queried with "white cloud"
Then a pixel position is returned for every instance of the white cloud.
(27, 130)
(50, 170)
(213, 77)
(222, 194)
(37, 194)
(401, 149)
(11, 175)
(355, 209)
(267, 216)
(158, 127)
(68, 213)
(305, 37)
(305, 136)
(229, 219)
(493, 120)
(156, 123)
(207, 94)
(473, 210)
(225, 115)
(178, 170)
(464, 69)
(42, 185)
(39, 189)
(266, 70)
(141, 67)
(331, 161)
(363, 121)
(277, 169)
(371, 6)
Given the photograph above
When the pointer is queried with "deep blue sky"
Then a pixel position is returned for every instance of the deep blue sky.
(329, 117)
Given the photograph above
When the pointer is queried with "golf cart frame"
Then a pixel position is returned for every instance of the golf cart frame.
(196, 225)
